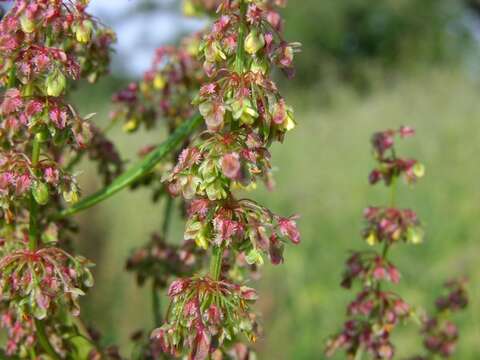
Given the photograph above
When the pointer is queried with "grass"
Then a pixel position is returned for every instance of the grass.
(322, 175)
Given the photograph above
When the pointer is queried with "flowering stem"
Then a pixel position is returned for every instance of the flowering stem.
(240, 55)
(359, 353)
(216, 262)
(156, 305)
(33, 227)
(138, 170)
(43, 340)
(33, 244)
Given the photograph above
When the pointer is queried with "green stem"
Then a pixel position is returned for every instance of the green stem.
(156, 306)
(216, 262)
(138, 170)
(43, 340)
(36, 146)
(33, 244)
(359, 353)
(240, 55)
(33, 226)
(167, 216)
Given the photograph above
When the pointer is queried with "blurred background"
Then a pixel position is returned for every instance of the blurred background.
(366, 65)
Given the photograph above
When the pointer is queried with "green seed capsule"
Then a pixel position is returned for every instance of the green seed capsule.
(254, 42)
(27, 24)
(83, 32)
(55, 84)
(40, 193)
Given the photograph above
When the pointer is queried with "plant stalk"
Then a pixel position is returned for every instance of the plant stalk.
(240, 54)
(33, 245)
(216, 262)
(43, 340)
(33, 226)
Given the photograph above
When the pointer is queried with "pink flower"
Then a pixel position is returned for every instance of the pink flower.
(231, 165)
(51, 175)
(288, 228)
(12, 101)
(177, 287)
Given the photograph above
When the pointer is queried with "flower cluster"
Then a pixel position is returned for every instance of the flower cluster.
(45, 45)
(205, 314)
(391, 225)
(375, 313)
(391, 167)
(19, 178)
(44, 280)
(439, 332)
(366, 266)
(166, 90)
(161, 260)
(244, 113)
(242, 225)
(20, 332)
(210, 168)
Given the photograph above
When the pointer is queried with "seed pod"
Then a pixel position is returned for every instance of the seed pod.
(27, 24)
(254, 42)
(55, 84)
(131, 125)
(71, 196)
(83, 32)
(159, 82)
(40, 193)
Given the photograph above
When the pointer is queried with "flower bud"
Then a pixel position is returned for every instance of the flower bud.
(131, 125)
(188, 8)
(259, 67)
(414, 235)
(42, 136)
(214, 53)
(159, 82)
(55, 84)
(27, 24)
(254, 42)
(371, 239)
(254, 257)
(71, 196)
(419, 170)
(83, 31)
(40, 193)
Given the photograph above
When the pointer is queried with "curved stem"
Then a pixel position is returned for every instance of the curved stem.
(138, 170)
(43, 340)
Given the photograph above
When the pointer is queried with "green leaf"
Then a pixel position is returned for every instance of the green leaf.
(138, 170)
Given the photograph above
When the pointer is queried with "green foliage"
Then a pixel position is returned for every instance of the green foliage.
(347, 37)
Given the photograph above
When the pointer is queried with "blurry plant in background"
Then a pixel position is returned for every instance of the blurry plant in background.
(378, 310)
